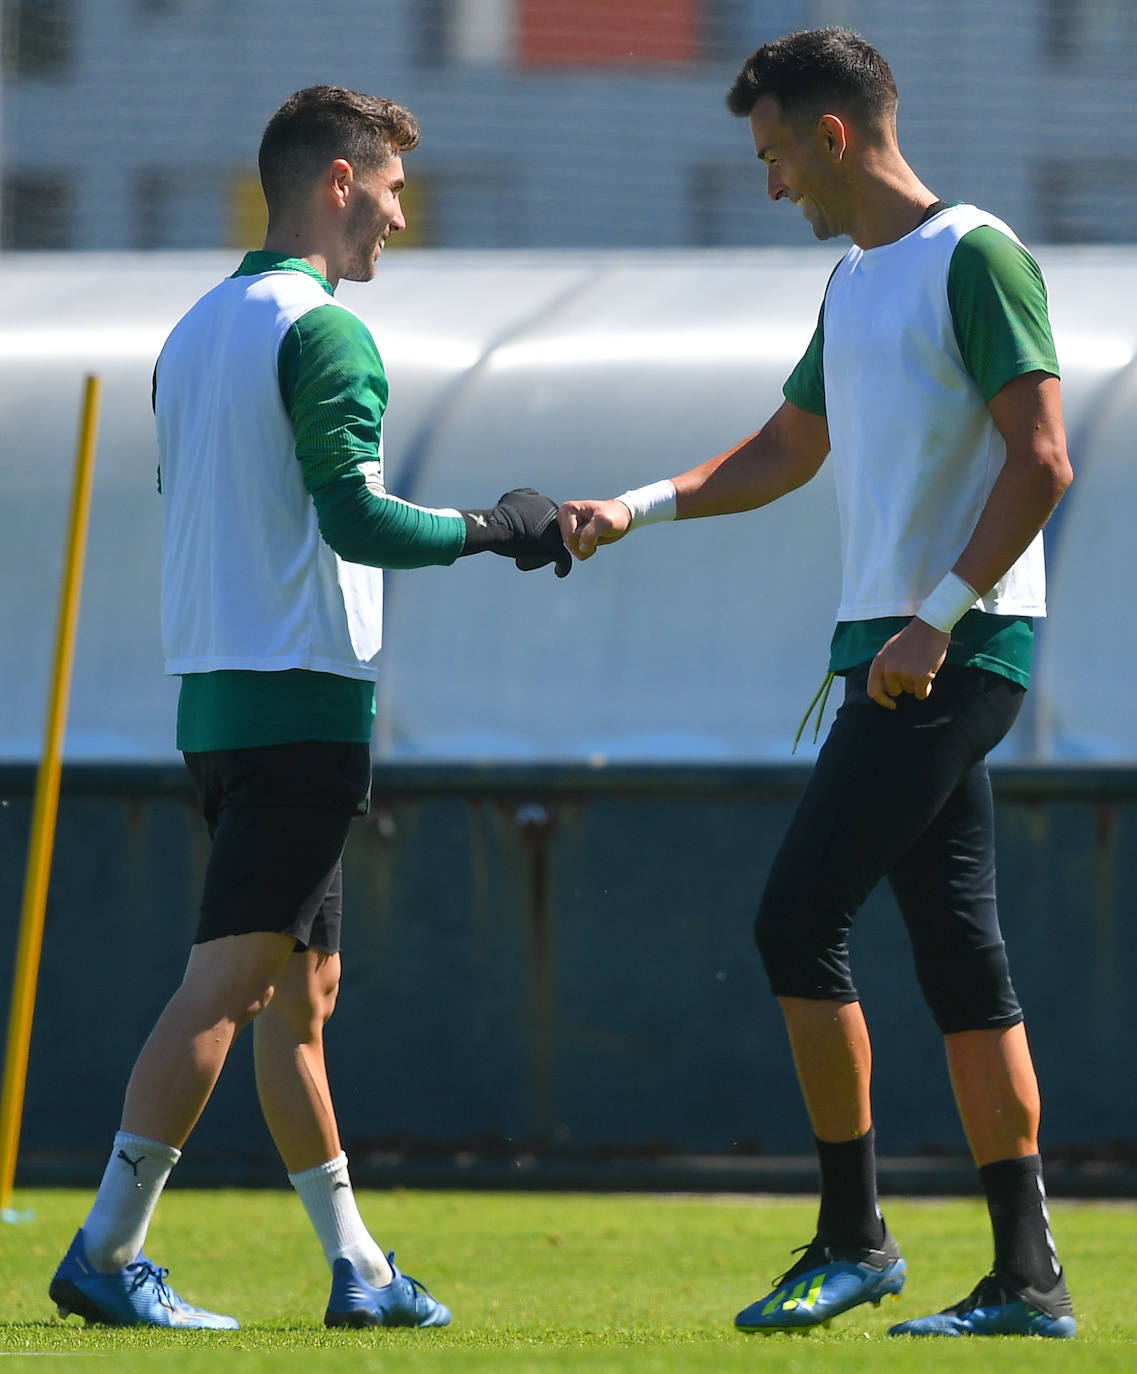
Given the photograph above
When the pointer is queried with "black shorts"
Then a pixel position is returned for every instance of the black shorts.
(902, 795)
(278, 816)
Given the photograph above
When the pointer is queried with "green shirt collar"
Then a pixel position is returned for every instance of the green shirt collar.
(254, 263)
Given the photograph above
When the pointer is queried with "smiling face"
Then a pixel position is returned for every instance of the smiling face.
(373, 214)
(802, 164)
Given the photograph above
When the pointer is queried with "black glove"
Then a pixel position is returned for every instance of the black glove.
(522, 526)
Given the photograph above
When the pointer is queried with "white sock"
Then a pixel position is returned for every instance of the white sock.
(329, 1200)
(136, 1173)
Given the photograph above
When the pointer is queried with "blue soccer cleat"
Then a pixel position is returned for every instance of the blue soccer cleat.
(402, 1302)
(995, 1308)
(136, 1295)
(828, 1279)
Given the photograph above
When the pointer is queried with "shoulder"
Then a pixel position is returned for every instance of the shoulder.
(957, 222)
(992, 248)
(981, 253)
(327, 351)
(332, 331)
(989, 261)
(998, 303)
(330, 319)
(977, 242)
(963, 217)
(293, 296)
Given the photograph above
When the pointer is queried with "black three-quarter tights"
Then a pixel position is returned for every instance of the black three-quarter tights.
(905, 795)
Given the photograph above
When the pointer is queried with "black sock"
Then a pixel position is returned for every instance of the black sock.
(849, 1213)
(1016, 1199)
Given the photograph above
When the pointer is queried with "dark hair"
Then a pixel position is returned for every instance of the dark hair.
(814, 72)
(321, 123)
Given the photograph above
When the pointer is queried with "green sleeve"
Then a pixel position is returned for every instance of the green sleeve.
(805, 386)
(334, 388)
(998, 309)
(383, 531)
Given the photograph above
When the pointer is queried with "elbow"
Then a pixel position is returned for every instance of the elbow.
(805, 472)
(350, 550)
(1046, 472)
(1066, 475)
(1059, 473)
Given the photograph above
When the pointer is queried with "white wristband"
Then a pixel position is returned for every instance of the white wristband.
(948, 601)
(651, 504)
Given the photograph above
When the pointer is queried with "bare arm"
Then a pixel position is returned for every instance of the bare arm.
(1028, 414)
(780, 457)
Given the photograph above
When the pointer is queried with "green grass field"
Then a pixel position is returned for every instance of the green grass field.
(553, 1282)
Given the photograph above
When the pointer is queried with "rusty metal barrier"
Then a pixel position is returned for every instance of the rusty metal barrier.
(555, 970)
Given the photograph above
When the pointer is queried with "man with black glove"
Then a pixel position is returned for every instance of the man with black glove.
(269, 397)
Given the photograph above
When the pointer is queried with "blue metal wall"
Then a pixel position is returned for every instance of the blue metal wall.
(550, 978)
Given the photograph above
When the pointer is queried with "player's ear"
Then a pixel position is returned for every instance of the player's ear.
(338, 178)
(834, 136)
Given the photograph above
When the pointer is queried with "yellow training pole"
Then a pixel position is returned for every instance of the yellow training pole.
(42, 837)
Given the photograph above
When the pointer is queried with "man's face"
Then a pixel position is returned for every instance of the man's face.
(373, 214)
(797, 168)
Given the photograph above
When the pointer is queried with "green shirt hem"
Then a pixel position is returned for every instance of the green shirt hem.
(246, 710)
(1002, 644)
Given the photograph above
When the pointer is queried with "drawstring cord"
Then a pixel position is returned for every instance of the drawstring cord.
(820, 697)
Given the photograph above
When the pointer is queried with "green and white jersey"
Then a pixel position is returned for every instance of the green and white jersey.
(914, 338)
(269, 400)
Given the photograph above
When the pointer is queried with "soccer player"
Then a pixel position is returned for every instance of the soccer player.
(931, 383)
(269, 397)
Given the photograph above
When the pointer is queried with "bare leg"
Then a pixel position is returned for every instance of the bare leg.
(292, 1082)
(996, 1090)
(227, 982)
(288, 1048)
(833, 1058)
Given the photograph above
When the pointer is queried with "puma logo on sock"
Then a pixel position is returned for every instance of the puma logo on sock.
(134, 1163)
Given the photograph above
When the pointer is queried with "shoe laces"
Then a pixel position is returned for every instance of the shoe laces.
(144, 1272)
(416, 1283)
(812, 1254)
(988, 1292)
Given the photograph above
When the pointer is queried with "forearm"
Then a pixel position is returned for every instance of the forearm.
(783, 455)
(752, 474)
(381, 531)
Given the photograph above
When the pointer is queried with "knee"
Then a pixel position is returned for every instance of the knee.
(233, 979)
(325, 990)
(246, 998)
(770, 937)
(799, 961)
(246, 1008)
(968, 990)
(306, 1003)
(777, 929)
(237, 998)
(802, 938)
